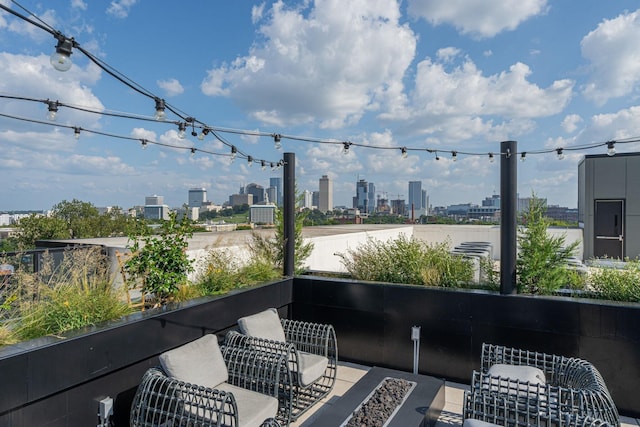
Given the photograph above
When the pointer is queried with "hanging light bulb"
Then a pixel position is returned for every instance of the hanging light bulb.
(345, 147)
(273, 166)
(234, 153)
(437, 157)
(454, 156)
(403, 152)
(53, 110)
(276, 141)
(491, 158)
(61, 58)
(559, 152)
(205, 132)
(263, 164)
(523, 156)
(76, 133)
(160, 106)
(182, 130)
(611, 148)
(144, 144)
(250, 161)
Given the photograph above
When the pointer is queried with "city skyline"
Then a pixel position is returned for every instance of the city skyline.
(445, 77)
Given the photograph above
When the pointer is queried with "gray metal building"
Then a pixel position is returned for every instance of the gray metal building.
(609, 205)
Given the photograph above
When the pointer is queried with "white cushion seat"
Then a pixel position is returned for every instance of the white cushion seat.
(265, 324)
(470, 422)
(310, 367)
(253, 407)
(522, 373)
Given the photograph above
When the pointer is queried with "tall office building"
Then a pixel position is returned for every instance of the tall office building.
(257, 191)
(371, 208)
(153, 200)
(361, 199)
(197, 197)
(415, 195)
(307, 201)
(325, 194)
(276, 183)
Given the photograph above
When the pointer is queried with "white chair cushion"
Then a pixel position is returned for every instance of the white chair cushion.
(253, 407)
(522, 373)
(198, 362)
(265, 324)
(470, 422)
(310, 367)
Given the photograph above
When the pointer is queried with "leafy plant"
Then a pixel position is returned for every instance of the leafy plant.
(160, 261)
(407, 260)
(617, 284)
(542, 261)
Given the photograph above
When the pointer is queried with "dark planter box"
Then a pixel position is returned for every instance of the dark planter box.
(373, 324)
(59, 382)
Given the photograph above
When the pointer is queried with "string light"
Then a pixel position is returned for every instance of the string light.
(76, 132)
(454, 156)
(276, 141)
(53, 109)
(611, 148)
(61, 58)
(491, 158)
(437, 157)
(523, 156)
(263, 164)
(345, 147)
(234, 153)
(403, 151)
(559, 152)
(182, 128)
(160, 107)
(250, 161)
(193, 152)
(144, 144)
(205, 132)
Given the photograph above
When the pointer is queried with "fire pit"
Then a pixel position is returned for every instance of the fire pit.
(385, 397)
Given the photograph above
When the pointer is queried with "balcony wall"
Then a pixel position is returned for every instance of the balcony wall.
(52, 382)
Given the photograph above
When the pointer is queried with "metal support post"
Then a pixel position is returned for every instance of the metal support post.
(289, 213)
(508, 216)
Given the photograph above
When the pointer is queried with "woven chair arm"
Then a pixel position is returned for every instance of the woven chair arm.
(313, 338)
(255, 369)
(161, 400)
(236, 339)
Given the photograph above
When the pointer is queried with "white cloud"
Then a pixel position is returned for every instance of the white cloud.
(479, 18)
(33, 76)
(79, 4)
(171, 87)
(24, 28)
(612, 49)
(121, 8)
(257, 12)
(447, 54)
(461, 103)
(320, 65)
(570, 123)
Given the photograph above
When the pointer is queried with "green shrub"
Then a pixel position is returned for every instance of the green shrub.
(541, 264)
(223, 273)
(617, 284)
(407, 260)
(76, 294)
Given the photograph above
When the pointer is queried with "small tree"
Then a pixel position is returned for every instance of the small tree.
(160, 261)
(541, 265)
(272, 249)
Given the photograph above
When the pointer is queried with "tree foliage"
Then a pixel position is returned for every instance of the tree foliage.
(541, 265)
(159, 261)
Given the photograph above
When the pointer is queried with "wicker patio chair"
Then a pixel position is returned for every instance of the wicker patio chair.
(484, 409)
(556, 385)
(201, 384)
(311, 349)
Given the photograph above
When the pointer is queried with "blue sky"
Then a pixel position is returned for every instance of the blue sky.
(445, 75)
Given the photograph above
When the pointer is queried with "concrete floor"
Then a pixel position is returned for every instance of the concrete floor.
(350, 373)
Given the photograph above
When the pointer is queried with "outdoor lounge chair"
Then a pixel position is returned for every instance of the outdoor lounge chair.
(201, 384)
(550, 387)
(485, 410)
(311, 349)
